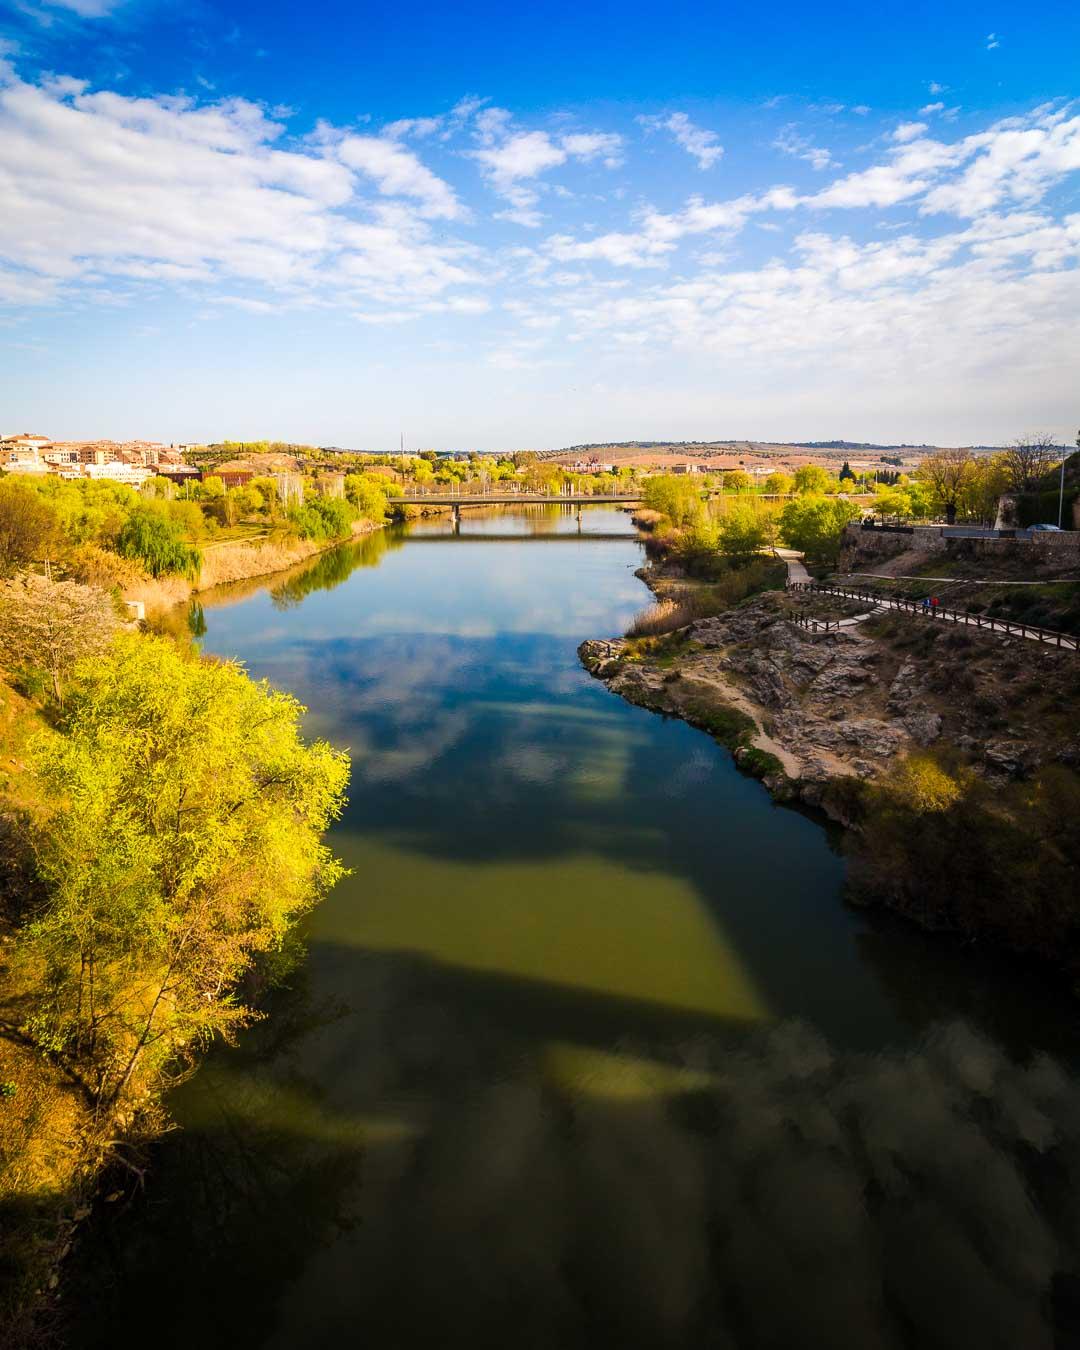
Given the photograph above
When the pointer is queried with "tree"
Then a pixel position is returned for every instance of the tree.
(185, 841)
(29, 527)
(893, 501)
(846, 472)
(779, 484)
(948, 473)
(737, 481)
(676, 496)
(1028, 460)
(811, 478)
(157, 541)
(745, 529)
(368, 493)
(814, 525)
(50, 625)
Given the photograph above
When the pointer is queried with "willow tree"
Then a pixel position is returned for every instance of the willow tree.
(186, 841)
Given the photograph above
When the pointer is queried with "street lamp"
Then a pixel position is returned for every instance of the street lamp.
(1061, 487)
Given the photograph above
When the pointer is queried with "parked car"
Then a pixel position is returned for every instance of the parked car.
(1053, 529)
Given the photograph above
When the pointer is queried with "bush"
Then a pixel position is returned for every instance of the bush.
(323, 518)
(958, 852)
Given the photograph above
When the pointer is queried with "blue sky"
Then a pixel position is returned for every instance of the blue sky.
(536, 228)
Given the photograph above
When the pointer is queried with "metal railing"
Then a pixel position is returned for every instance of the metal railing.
(1007, 627)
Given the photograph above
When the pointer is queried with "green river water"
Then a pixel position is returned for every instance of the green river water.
(588, 1050)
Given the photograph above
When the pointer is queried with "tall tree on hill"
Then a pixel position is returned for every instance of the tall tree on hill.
(1028, 460)
(948, 474)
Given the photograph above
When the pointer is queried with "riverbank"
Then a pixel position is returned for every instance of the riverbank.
(121, 958)
(967, 741)
(237, 560)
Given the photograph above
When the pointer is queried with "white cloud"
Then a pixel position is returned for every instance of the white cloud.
(992, 41)
(398, 173)
(909, 131)
(420, 127)
(789, 142)
(510, 159)
(930, 109)
(698, 142)
(167, 191)
(87, 9)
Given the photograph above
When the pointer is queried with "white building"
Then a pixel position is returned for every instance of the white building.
(134, 474)
(25, 441)
(22, 461)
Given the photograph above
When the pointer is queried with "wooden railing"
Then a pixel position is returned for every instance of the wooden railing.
(1006, 627)
(815, 625)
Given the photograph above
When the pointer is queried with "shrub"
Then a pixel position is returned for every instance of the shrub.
(323, 518)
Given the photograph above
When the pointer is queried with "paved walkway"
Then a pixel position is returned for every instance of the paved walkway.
(1002, 628)
(965, 581)
(795, 569)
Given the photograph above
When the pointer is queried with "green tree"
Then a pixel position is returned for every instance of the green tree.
(157, 541)
(811, 478)
(49, 625)
(814, 525)
(745, 529)
(29, 527)
(738, 481)
(186, 840)
(948, 474)
(674, 495)
(368, 493)
(779, 483)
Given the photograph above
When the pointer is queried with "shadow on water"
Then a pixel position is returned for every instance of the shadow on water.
(404, 1170)
(587, 1052)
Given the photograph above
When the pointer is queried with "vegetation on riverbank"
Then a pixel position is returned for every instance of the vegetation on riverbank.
(160, 833)
(950, 757)
(158, 543)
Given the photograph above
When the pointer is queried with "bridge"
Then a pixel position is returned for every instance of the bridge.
(589, 536)
(456, 500)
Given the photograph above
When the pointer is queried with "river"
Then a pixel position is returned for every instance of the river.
(587, 1050)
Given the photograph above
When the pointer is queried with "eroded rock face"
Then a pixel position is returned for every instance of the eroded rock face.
(846, 703)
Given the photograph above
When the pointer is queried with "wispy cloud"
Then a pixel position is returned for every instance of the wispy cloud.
(992, 41)
(698, 142)
(789, 142)
(512, 160)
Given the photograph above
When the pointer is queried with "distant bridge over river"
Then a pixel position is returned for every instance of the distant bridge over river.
(456, 500)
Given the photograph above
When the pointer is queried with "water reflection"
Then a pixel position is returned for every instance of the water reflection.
(586, 1052)
(438, 1185)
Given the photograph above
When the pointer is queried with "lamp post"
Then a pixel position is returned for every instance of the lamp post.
(1061, 488)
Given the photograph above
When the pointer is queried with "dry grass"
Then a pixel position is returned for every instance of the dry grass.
(663, 617)
(238, 561)
(646, 519)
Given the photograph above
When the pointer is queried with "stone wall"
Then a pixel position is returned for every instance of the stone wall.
(1040, 550)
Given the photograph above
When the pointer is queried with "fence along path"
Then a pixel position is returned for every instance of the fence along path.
(935, 613)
